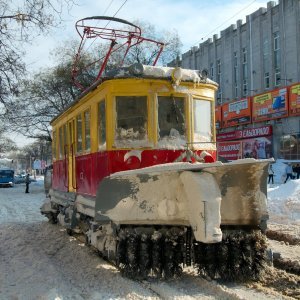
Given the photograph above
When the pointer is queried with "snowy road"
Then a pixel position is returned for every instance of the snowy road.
(40, 261)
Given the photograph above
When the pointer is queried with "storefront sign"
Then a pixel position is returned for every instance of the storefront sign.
(245, 133)
(230, 150)
(270, 105)
(246, 143)
(236, 113)
(218, 116)
(294, 99)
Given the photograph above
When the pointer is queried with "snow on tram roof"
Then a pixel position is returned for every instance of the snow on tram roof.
(137, 70)
(176, 74)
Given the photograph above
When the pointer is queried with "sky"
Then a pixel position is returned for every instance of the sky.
(194, 20)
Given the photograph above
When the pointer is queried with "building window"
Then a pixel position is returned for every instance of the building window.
(276, 50)
(245, 87)
(219, 71)
(277, 77)
(235, 90)
(267, 80)
(220, 96)
(235, 68)
(245, 64)
(211, 71)
(266, 55)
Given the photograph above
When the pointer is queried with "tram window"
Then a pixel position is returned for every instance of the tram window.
(54, 144)
(202, 121)
(131, 119)
(79, 133)
(65, 138)
(171, 120)
(60, 142)
(87, 130)
(101, 125)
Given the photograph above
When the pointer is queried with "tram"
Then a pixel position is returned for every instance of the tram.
(135, 171)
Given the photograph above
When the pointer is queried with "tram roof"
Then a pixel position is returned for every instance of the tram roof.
(137, 70)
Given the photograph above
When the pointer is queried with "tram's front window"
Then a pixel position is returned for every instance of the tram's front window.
(202, 121)
(131, 122)
(171, 121)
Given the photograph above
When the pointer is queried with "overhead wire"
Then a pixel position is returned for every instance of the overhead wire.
(108, 21)
(108, 6)
(212, 31)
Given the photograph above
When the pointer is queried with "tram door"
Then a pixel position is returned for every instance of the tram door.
(71, 157)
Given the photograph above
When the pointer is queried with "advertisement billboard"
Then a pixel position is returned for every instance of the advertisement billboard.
(245, 133)
(236, 113)
(230, 150)
(259, 148)
(294, 99)
(218, 116)
(246, 143)
(271, 105)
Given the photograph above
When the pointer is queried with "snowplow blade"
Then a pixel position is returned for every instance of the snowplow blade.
(202, 196)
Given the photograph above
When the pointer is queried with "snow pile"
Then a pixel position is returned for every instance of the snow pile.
(284, 203)
(283, 199)
(279, 171)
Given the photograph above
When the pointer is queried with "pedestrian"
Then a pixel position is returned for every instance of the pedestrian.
(271, 174)
(297, 170)
(289, 172)
(27, 182)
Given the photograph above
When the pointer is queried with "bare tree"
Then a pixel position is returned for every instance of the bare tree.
(145, 53)
(42, 98)
(19, 25)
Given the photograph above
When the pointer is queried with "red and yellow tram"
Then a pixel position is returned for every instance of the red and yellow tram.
(129, 123)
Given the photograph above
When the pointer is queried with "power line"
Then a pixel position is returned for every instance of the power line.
(116, 12)
(108, 21)
(120, 8)
(224, 23)
(108, 6)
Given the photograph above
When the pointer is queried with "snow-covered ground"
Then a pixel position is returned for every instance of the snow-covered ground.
(40, 261)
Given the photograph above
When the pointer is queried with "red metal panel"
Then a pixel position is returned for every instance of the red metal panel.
(60, 175)
(92, 168)
(100, 169)
(84, 174)
(122, 160)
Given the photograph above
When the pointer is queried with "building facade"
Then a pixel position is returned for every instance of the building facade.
(257, 60)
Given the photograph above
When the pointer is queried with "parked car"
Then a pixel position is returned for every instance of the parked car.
(20, 178)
